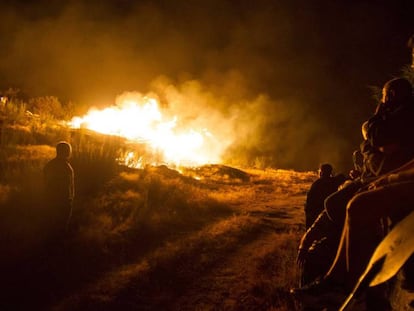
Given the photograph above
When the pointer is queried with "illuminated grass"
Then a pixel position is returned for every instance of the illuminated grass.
(139, 234)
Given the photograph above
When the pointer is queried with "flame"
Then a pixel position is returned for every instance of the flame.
(139, 119)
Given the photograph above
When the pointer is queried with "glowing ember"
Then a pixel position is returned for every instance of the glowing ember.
(139, 119)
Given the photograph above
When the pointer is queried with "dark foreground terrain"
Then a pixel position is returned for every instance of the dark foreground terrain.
(241, 258)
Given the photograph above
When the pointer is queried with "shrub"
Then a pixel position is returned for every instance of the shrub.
(46, 105)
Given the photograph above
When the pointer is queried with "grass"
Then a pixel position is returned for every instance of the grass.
(171, 270)
(152, 231)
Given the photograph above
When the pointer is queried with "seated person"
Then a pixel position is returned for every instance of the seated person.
(388, 144)
(388, 198)
(325, 185)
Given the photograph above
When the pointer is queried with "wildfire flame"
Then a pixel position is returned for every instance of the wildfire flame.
(139, 119)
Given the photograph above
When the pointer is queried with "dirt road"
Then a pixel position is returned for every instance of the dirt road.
(241, 262)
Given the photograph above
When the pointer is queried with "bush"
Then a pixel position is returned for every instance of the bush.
(46, 105)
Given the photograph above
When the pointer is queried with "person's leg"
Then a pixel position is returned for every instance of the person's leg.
(360, 236)
(337, 268)
(364, 228)
(363, 231)
(335, 209)
(335, 204)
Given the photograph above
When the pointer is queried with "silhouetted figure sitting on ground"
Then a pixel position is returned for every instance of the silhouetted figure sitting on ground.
(318, 192)
(369, 216)
(59, 188)
(388, 144)
(390, 134)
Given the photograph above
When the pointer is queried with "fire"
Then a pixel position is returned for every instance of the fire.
(140, 120)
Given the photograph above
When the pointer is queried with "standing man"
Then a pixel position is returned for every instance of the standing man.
(59, 186)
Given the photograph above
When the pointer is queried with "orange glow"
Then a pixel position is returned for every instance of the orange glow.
(140, 119)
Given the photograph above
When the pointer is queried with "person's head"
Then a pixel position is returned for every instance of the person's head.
(63, 150)
(397, 91)
(325, 170)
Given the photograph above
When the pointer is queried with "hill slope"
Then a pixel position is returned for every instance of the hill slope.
(211, 238)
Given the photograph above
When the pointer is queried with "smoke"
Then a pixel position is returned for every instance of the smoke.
(253, 130)
(288, 79)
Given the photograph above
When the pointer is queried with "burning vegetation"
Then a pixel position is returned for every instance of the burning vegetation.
(139, 228)
(169, 139)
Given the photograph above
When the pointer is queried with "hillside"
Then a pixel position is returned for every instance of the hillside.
(221, 239)
(211, 237)
(243, 260)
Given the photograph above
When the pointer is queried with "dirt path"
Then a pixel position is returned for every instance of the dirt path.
(259, 271)
(243, 262)
(247, 269)
(237, 283)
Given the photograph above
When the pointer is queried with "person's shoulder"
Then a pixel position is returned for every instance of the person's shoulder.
(70, 167)
(340, 178)
(318, 183)
(50, 163)
(58, 163)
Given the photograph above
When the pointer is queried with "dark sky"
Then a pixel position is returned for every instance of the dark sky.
(296, 73)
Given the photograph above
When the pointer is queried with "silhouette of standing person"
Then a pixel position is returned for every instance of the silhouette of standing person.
(59, 187)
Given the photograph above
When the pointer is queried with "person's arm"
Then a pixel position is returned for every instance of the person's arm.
(385, 129)
(403, 173)
(400, 176)
(72, 184)
(315, 232)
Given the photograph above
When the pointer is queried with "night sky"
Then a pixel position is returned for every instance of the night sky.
(297, 76)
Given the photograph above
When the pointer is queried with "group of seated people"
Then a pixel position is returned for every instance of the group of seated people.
(338, 245)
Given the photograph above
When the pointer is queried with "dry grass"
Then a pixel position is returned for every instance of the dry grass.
(145, 237)
(180, 265)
